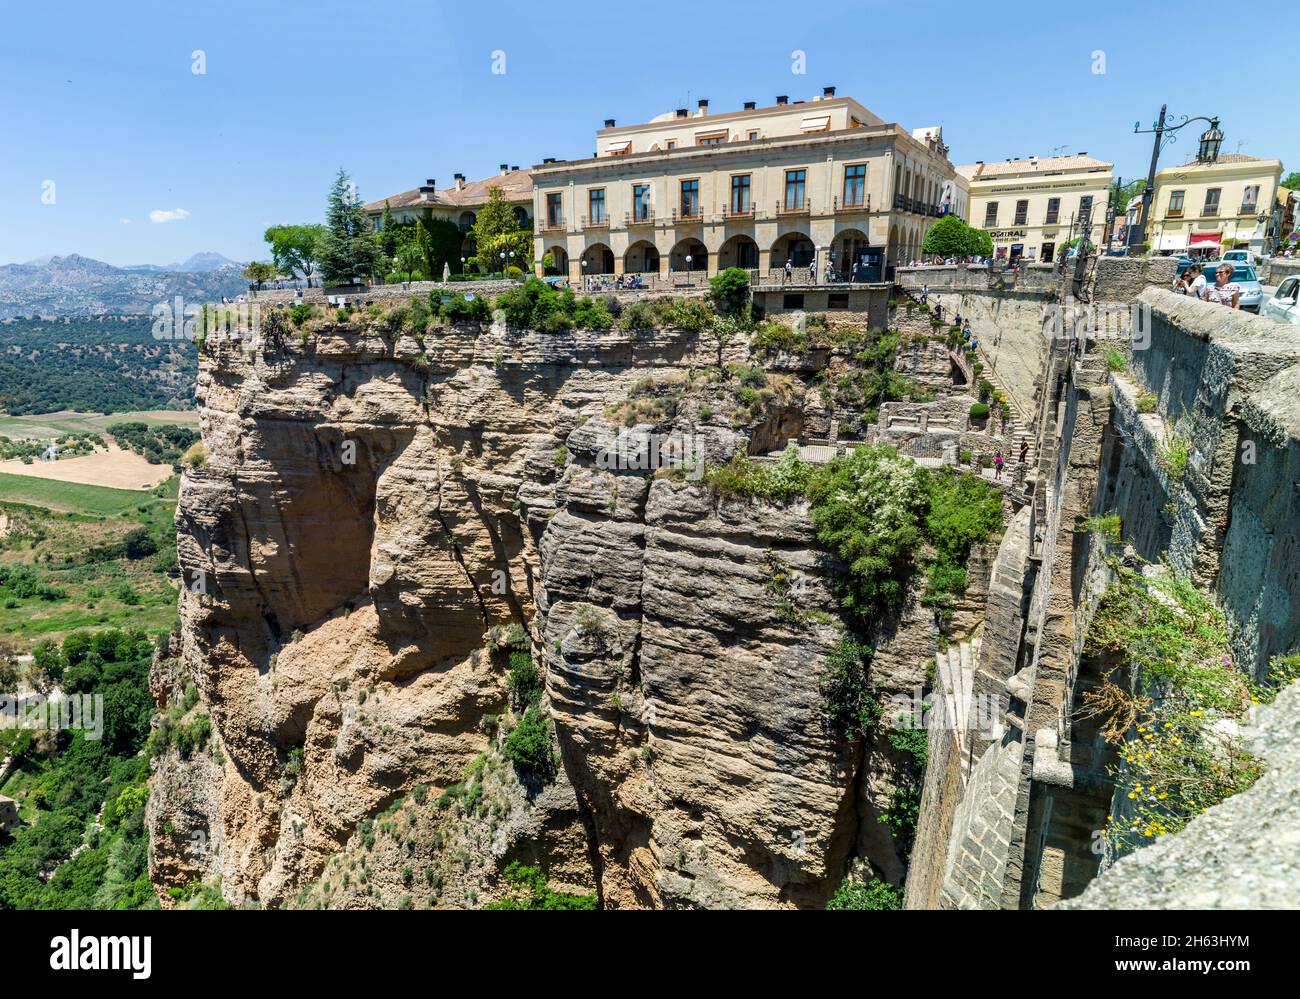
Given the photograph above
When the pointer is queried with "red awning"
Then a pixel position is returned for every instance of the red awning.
(1204, 239)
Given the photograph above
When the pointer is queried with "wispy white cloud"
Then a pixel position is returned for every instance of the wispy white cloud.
(125, 221)
(158, 215)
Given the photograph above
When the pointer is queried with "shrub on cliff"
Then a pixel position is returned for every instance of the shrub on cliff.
(465, 308)
(874, 895)
(528, 746)
(531, 892)
(848, 698)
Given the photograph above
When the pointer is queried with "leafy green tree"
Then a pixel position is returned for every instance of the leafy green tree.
(1292, 180)
(295, 249)
(388, 232)
(496, 230)
(848, 698)
(348, 251)
(982, 243)
(259, 273)
(408, 259)
(528, 745)
(949, 237)
(730, 291)
(424, 248)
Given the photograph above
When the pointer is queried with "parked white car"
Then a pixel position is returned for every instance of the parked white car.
(1285, 305)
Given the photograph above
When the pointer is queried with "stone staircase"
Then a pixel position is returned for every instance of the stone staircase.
(954, 691)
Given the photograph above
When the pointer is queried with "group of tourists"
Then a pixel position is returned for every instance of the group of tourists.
(1224, 290)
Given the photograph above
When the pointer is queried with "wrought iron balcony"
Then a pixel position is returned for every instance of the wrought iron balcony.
(595, 222)
(849, 205)
(644, 216)
(801, 208)
(734, 212)
(553, 223)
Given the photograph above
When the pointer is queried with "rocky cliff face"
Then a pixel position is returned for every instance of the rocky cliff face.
(373, 511)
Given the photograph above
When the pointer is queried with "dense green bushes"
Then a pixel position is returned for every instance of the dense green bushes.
(848, 699)
(530, 891)
(873, 895)
(64, 788)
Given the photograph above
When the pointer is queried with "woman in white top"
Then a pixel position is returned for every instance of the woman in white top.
(1191, 282)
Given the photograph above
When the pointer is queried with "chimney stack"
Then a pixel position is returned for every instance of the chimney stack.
(513, 168)
(682, 113)
(428, 189)
(828, 92)
(549, 159)
(750, 105)
(505, 169)
(703, 106)
(460, 181)
(609, 122)
(783, 99)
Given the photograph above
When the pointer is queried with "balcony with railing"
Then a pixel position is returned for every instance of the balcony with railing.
(1210, 212)
(796, 207)
(742, 211)
(599, 221)
(640, 216)
(552, 223)
(688, 214)
(859, 204)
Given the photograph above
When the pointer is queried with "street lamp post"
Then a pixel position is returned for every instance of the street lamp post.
(1207, 152)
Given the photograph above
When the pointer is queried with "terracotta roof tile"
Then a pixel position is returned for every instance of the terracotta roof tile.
(517, 186)
(1047, 164)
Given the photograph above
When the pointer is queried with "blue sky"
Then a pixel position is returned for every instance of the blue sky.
(101, 98)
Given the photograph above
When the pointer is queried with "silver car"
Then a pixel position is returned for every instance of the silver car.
(1285, 305)
(1252, 292)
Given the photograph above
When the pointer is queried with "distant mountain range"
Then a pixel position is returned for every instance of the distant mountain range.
(80, 286)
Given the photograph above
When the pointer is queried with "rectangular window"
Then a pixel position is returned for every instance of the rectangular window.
(690, 199)
(855, 185)
(990, 215)
(555, 210)
(1249, 199)
(753, 136)
(1085, 207)
(641, 202)
(1045, 255)
(711, 140)
(670, 144)
(837, 300)
(596, 205)
(796, 184)
(792, 301)
(1212, 201)
(1175, 204)
(740, 194)
(1053, 212)
(1022, 212)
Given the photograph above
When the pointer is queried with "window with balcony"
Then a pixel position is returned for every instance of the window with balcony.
(1249, 199)
(596, 206)
(711, 139)
(855, 185)
(1022, 212)
(1053, 212)
(554, 210)
(690, 199)
(1175, 209)
(1085, 207)
(1212, 201)
(990, 215)
(796, 187)
(740, 187)
(640, 202)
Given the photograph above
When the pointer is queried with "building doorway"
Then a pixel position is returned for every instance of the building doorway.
(1048, 250)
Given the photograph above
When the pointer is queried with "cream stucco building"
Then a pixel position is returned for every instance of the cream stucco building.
(1032, 207)
(1199, 205)
(813, 182)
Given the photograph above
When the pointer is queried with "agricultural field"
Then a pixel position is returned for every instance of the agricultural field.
(76, 556)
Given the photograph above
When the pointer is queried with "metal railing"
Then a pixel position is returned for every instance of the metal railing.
(800, 209)
(597, 222)
(645, 216)
(550, 225)
(861, 205)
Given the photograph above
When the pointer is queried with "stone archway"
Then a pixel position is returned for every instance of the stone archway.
(642, 257)
(559, 260)
(597, 258)
(796, 247)
(692, 248)
(738, 251)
